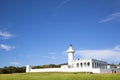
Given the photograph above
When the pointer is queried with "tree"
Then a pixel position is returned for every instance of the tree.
(12, 69)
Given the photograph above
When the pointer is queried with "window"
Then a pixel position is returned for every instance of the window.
(88, 64)
(77, 65)
(93, 65)
(81, 64)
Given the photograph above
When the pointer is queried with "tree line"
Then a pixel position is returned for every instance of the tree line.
(12, 69)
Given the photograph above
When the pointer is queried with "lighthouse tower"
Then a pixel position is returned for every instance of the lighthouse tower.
(70, 52)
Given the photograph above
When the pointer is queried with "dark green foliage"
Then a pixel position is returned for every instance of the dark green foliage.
(12, 69)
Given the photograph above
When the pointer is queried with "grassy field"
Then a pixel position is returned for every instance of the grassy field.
(59, 76)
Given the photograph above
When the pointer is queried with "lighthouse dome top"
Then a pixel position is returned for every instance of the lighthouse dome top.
(70, 49)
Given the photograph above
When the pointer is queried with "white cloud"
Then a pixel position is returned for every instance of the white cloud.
(6, 47)
(62, 4)
(114, 16)
(59, 6)
(5, 35)
(14, 63)
(104, 54)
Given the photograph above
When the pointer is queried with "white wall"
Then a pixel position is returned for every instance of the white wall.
(64, 66)
(66, 70)
(97, 70)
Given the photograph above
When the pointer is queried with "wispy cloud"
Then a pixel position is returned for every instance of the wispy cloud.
(6, 47)
(5, 35)
(60, 5)
(104, 54)
(114, 16)
(14, 63)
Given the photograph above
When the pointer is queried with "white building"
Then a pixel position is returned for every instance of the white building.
(80, 65)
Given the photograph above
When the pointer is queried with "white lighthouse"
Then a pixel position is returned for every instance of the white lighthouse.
(70, 52)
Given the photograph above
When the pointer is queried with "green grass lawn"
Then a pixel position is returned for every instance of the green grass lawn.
(59, 76)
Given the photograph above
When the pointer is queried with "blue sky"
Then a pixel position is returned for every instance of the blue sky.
(38, 32)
